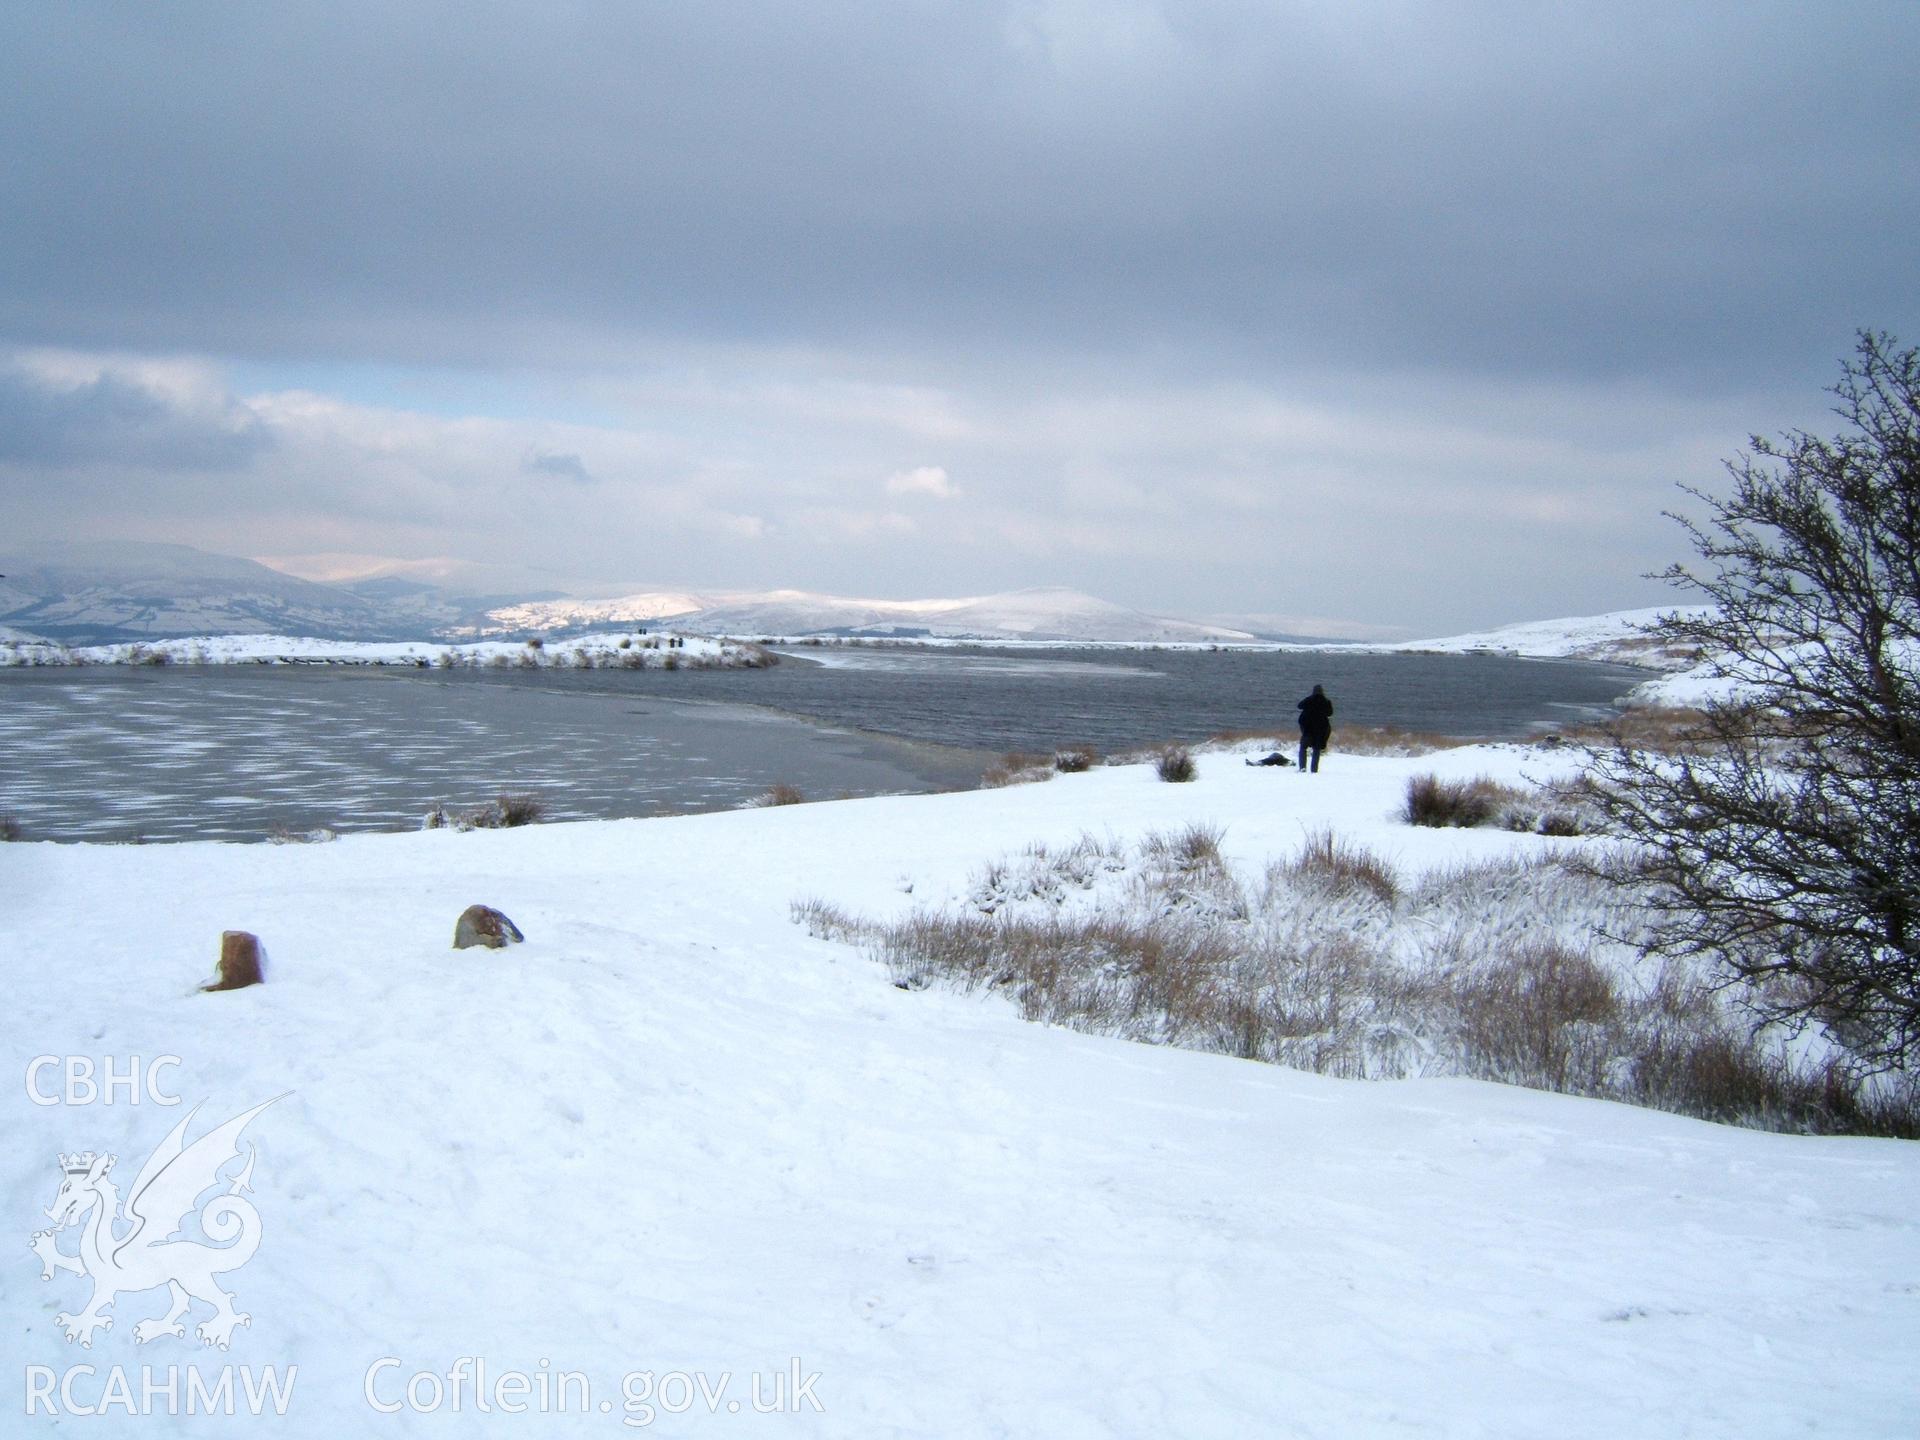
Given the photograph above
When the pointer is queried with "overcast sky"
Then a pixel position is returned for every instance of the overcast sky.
(1362, 315)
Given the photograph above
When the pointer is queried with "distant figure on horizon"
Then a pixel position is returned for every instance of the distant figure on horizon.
(1316, 727)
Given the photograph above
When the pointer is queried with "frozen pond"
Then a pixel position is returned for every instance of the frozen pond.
(240, 753)
(231, 754)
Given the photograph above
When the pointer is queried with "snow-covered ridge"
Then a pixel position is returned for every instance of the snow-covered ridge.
(82, 593)
(1619, 637)
(1047, 613)
(1692, 680)
(613, 650)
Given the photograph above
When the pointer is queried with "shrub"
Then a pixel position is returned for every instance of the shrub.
(1174, 764)
(1076, 760)
(1781, 841)
(1499, 971)
(781, 794)
(1538, 1015)
(1560, 822)
(9, 829)
(536, 643)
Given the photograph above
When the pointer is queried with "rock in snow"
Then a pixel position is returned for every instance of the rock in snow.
(242, 961)
(484, 925)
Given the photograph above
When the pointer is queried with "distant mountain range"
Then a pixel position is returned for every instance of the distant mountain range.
(112, 592)
(89, 594)
(1048, 613)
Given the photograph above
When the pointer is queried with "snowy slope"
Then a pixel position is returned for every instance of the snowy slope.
(106, 591)
(638, 609)
(672, 1133)
(1047, 613)
(1618, 637)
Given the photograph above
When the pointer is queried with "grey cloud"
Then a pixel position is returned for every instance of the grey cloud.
(115, 419)
(1703, 191)
(1495, 275)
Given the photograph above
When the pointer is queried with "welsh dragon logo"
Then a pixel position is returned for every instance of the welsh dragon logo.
(137, 1251)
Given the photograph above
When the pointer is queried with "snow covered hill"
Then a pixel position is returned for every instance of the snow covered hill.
(1618, 637)
(103, 592)
(111, 593)
(1047, 613)
(672, 1141)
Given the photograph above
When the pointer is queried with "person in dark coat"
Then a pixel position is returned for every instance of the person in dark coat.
(1316, 727)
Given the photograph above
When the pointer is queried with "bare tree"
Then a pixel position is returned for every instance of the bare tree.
(1781, 838)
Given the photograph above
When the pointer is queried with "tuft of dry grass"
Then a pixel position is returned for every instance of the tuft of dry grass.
(1558, 810)
(1340, 869)
(1045, 875)
(1536, 1013)
(505, 812)
(1353, 739)
(1648, 727)
(1015, 768)
(282, 833)
(1458, 803)
(781, 794)
(1174, 764)
(1240, 739)
(824, 921)
(1394, 740)
(514, 809)
(1195, 847)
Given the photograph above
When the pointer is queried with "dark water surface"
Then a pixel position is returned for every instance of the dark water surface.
(242, 752)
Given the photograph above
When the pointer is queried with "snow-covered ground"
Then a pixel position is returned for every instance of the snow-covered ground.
(611, 649)
(671, 1133)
